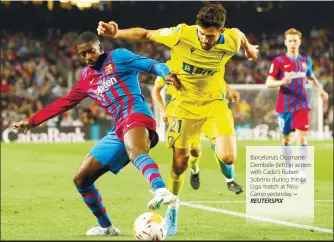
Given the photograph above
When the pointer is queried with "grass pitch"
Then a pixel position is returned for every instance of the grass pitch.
(39, 199)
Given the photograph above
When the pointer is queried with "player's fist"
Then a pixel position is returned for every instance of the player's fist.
(107, 29)
(22, 124)
(251, 52)
(323, 95)
(165, 118)
(235, 96)
(172, 79)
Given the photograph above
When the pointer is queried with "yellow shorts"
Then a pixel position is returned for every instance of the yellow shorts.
(185, 133)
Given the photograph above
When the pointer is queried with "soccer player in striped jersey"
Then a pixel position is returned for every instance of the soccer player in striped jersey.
(290, 72)
(199, 54)
(111, 80)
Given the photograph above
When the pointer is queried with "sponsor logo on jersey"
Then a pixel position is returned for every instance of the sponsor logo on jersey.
(107, 82)
(297, 74)
(197, 70)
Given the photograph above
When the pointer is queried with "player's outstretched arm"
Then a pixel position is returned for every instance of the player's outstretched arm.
(110, 30)
(157, 98)
(59, 106)
(143, 64)
(251, 51)
(322, 92)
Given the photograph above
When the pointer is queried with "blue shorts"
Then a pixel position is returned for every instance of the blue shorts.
(289, 122)
(285, 123)
(111, 152)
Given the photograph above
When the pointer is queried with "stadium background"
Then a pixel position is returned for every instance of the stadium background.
(39, 62)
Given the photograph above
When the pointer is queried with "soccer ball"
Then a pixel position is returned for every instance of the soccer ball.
(150, 226)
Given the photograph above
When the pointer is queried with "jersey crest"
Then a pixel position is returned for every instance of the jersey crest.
(108, 69)
(221, 55)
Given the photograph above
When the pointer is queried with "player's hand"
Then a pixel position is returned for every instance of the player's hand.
(107, 29)
(286, 79)
(251, 52)
(165, 118)
(22, 124)
(235, 96)
(172, 79)
(323, 95)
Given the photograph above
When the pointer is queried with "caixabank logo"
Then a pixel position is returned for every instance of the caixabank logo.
(44, 135)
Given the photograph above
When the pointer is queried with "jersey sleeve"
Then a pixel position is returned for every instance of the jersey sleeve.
(132, 62)
(159, 81)
(309, 71)
(274, 69)
(61, 105)
(233, 39)
(169, 36)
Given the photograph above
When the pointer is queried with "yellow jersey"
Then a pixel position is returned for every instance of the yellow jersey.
(201, 72)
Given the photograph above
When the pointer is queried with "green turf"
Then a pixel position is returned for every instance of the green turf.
(39, 200)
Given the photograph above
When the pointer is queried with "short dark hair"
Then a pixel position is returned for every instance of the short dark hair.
(212, 15)
(86, 37)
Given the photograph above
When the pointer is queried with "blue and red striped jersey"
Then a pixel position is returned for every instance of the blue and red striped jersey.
(292, 97)
(113, 85)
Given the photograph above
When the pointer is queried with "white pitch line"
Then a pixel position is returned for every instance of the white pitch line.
(240, 201)
(262, 219)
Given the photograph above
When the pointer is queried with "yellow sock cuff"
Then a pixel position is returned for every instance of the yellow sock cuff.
(175, 182)
(193, 162)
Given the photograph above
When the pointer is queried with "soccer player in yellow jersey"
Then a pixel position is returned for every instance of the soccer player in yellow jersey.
(195, 150)
(198, 57)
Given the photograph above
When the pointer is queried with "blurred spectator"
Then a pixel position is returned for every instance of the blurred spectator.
(34, 73)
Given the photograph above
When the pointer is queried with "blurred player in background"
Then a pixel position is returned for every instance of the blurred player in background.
(195, 150)
(290, 73)
(111, 80)
(198, 56)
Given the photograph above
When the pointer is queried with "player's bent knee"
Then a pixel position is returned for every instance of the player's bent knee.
(134, 152)
(180, 164)
(78, 180)
(195, 153)
(228, 159)
(179, 170)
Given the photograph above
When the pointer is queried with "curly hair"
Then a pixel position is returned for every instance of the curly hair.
(212, 15)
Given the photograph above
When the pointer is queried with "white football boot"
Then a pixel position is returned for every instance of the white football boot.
(161, 196)
(98, 231)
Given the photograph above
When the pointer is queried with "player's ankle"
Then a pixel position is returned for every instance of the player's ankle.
(161, 190)
(195, 170)
(229, 179)
(174, 205)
